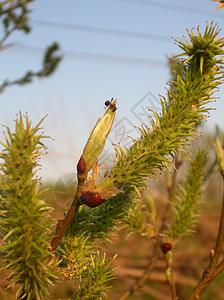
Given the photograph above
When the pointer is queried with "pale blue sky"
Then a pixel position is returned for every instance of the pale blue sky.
(112, 48)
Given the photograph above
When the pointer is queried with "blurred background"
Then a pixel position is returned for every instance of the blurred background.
(113, 48)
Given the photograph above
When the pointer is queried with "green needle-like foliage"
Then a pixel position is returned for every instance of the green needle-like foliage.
(24, 223)
(85, 263)
(181, 112)
(96, 223)
(187, 198)
(74, 253)
(99, 272)
(140, 215)
(136, 219)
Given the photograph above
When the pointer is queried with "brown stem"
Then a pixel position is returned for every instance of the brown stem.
(219, 241)
(171, 189)
(209, 171)
(173, 289)
(8, 33)
(213, 269)
(206, 280)
(63, 226)
(140, 282)
(155, 293)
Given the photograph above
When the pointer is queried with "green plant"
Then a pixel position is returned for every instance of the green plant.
(78, 245)
(25, 222)
(14, 16)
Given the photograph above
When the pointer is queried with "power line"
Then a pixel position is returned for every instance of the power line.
(127, 33)
(117, 59)
(172, 7)
(97, 57)
(106, 31)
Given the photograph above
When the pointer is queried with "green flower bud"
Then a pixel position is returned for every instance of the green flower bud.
(219, 154)
(98, 136)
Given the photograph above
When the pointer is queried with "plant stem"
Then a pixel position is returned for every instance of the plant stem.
(171, 281)
(7, 34)
(210, 170)
(140, 282)
(206, 280)
(171, 191)
(213, 269)
(173, 180)
(63, 226)
(219, 241)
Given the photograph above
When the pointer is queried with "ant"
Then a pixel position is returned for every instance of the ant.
(109, 103)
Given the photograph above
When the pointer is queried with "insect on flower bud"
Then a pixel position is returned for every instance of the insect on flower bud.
(81, 166)
(98, 136)
(92, 199)
(166, 247)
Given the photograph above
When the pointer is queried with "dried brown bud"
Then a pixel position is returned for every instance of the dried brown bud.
(81, 166)
(92, 199)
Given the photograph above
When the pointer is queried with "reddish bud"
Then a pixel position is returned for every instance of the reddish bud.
(81, 166)
(92, 199)
(166, 247)
(59, 222)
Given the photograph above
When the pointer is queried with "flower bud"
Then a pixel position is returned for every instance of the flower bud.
(97, 138)
(91, 199)
(166, 247)
(212, 253)
(81, 166)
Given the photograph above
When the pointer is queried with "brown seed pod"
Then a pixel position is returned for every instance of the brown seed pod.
(81, 166)
(92, 199)
(166, 247)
